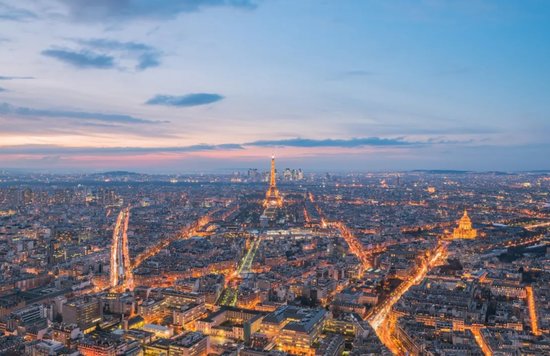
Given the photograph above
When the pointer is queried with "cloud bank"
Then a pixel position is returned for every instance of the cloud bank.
(7, 109)
(327, 143)
(344, 143)
(7, 77)
(62, 150)
(12, 13)
(145, 55)
(101, 10)
(81, 59)
(195, 99)
(103, 53)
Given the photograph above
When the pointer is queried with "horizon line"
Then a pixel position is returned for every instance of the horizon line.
(226, 171)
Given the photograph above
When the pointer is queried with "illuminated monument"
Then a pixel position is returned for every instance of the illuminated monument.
(272, 197)
(464, 229)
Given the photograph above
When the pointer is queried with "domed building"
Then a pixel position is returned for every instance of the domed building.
(464, 229)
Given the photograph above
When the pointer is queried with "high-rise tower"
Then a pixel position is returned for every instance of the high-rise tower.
(272, 196)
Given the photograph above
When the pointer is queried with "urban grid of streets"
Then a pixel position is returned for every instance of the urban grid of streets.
(324, 227)
(379, 316)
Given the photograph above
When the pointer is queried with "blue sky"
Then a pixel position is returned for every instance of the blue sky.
(177, 86)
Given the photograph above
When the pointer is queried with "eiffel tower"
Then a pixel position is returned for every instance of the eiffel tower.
(272, 197)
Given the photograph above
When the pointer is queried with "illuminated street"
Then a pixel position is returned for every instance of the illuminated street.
(480, 341)
(379, 316)
(354, 244)
(532, 311)
(230, 294)
(121, 274)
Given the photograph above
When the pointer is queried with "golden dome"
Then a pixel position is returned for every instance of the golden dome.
(464, 229)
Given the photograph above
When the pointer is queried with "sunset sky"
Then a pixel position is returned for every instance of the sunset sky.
(182, 86)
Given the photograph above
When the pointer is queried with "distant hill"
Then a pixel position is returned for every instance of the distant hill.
(116, 173)
(440, 171)
(453, 171)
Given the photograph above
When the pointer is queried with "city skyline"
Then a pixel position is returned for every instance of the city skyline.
(362, 264)
(213, 86)
(274, 177)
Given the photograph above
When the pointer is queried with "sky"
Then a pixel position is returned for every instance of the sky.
(177, 86)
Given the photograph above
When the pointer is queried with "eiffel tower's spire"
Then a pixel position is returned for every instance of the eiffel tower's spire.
(272, 180)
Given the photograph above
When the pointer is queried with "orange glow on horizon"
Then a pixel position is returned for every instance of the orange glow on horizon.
(248, 153)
